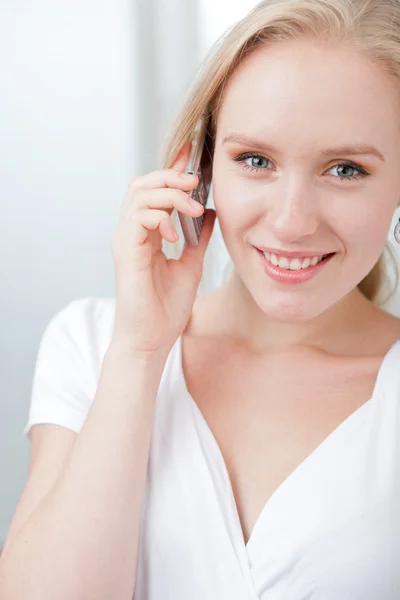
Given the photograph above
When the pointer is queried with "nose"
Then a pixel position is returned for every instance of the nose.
(293, 214)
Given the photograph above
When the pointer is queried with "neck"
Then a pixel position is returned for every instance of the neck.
(341, 326)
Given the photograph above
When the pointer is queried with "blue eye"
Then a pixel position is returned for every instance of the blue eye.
(243, 157)
(361, 172)
(257, 160)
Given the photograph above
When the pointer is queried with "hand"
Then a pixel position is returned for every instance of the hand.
(155, 295)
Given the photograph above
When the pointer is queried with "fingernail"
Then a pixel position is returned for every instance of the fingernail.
(186, 176)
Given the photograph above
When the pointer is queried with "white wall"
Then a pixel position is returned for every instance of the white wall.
(67, 107)
(217, 16)
(88, 91)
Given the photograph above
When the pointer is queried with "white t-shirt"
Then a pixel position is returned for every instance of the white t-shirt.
(330, 531)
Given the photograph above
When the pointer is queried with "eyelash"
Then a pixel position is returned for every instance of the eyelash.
(362, 172)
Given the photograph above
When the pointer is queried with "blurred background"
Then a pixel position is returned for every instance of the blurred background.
(89, 90)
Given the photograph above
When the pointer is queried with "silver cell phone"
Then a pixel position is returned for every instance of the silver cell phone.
(191, 227)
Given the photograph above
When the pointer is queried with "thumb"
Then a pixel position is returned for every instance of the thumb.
(194, 255)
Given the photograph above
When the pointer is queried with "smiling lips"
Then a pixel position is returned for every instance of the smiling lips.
(292, 271)
(300, 254)
(293, 264)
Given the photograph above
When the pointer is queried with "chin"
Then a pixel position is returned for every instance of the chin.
(289, 310)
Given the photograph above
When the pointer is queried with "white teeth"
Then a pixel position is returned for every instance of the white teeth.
(295, 264)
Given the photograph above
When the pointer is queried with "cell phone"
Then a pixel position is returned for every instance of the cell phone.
(196, 165)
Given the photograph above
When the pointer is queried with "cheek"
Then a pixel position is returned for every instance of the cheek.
(237, 206)
(237, 201)
(364, 232)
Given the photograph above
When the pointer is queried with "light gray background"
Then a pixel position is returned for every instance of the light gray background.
(88, 90)
(68, 118)
(79, 95)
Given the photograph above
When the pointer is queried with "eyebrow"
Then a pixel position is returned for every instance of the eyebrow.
(339, 151)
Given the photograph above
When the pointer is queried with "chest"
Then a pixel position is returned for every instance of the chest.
(267, 416)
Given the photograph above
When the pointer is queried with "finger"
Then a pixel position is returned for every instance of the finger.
(164, 178)
(166, 199)
(195, 254)
(207, 229)
(149, 220)
(182, 157)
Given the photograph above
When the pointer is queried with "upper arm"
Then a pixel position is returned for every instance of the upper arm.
(50, 448)
(65, 381)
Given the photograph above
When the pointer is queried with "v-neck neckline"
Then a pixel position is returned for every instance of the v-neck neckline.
(294, 474)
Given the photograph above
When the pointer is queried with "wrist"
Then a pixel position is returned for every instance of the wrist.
(123, 345)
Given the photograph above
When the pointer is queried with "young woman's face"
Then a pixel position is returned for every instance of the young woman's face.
(289, 186)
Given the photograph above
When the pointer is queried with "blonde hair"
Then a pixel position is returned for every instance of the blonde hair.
(370, 26)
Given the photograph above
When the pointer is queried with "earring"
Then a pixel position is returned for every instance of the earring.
(397, 232)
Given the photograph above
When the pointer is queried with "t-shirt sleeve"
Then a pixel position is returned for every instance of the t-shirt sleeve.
(68, 363)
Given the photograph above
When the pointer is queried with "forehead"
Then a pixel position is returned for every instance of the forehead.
(306, 86)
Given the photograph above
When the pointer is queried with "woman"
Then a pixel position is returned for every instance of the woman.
(243, 444)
